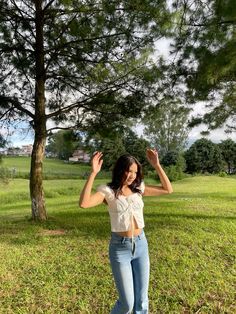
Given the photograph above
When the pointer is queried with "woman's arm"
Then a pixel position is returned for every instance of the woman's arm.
(166, 187)
(86, 199)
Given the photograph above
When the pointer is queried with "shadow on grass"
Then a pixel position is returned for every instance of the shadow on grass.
(17, 229)
(90, 224)
(189, 216)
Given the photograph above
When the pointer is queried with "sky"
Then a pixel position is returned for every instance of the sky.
(20, 138)
(215, 136)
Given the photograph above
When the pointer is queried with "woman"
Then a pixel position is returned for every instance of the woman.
(128, 250)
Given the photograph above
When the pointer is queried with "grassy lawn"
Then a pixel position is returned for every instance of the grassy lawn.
(52, 168)
(62, 266)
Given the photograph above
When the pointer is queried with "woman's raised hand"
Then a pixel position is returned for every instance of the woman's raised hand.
(97, 162)
(152, 157)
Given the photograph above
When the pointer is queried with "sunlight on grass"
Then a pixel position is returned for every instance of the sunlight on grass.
(62, 266)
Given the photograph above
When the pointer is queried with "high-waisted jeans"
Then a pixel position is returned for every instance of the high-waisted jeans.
(131, 273)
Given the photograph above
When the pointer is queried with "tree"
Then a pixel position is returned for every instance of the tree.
(228, 151)
(117, 142)
(136, 146)
(4, 173)
(74, 63)
(204, 47)
(203, 156)
(62, 144)
(166, 125)
(3, 142)
(174, 164)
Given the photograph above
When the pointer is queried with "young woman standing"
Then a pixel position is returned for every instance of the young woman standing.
(128, 249)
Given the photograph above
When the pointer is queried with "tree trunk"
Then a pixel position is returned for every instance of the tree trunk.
(39, 123)
(36, 179)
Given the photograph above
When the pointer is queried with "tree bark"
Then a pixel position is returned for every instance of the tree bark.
(36, 179)
(39, 122)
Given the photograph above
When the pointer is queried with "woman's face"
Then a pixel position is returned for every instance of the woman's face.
(131, 174)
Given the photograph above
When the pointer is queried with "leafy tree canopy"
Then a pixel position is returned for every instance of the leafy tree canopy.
(114, 144)
(166, 125)
(62, 144)
(95, 55)
(203, 156)
(228, 151)
(3, 142)
(205, 54)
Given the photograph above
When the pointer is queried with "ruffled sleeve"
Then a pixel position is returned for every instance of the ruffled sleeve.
(142, 187)
(102, 189)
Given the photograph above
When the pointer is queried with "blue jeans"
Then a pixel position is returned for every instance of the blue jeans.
(131, 273)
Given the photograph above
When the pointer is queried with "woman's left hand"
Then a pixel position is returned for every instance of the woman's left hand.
(152, 157)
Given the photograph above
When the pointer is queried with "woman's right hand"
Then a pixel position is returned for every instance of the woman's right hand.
(97, 162)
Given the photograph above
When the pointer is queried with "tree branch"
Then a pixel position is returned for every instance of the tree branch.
(111, 86)
(15, 104)
(83, 39)
(48, 5)
(209, 24)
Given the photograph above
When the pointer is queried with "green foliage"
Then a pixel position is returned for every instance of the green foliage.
(3, 142)
(174, 173)
(174, 164)
(205, 40)
(116, 142)
(222, 174)
(136, 146)
(96, 58)
(203, 157)
(62, 144)
(173, 158)
(112, 149)
(228, 151)
(166, 125)
(5, 175)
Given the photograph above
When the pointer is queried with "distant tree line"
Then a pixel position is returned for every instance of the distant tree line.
(4, 173)
(203, 156)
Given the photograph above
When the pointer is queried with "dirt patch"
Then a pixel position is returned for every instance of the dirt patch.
(53, 232)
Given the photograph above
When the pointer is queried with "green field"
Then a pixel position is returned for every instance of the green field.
(19, 167)
(62, 266)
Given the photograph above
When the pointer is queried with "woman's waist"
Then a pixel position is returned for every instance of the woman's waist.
(129, 233)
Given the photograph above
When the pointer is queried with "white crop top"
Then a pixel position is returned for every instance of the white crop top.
(123, 209)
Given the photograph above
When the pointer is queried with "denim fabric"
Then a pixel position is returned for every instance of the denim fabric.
(131, 273)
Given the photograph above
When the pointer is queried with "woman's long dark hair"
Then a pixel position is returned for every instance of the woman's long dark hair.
(122, 165)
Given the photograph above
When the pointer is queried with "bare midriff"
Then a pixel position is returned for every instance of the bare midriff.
(129, 233)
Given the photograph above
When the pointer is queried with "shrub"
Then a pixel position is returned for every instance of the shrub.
(174, 173)
(222, 174)
(5, 175)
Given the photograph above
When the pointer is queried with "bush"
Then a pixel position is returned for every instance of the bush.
(174, 173)
(222, 174)
(151, 174)
(5, 175)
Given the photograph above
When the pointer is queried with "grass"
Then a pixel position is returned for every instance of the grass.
(62, 266)
(52, 168)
